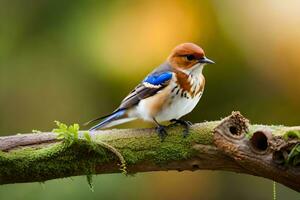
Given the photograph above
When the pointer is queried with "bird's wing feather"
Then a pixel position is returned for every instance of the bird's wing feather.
(153, 83)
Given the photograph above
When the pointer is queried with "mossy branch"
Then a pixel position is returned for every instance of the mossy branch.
(231, 144)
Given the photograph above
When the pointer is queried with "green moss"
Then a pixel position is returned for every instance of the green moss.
(50, 162)
(77, 156)
(68, 157)
(89, 179)
(174, 147)
(131, 156)
(294, 134)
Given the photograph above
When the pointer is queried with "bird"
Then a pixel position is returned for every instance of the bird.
(169, 92)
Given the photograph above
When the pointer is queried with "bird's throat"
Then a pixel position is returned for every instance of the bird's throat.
(196, 70)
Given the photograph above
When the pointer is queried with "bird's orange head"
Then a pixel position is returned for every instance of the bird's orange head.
(187, 55)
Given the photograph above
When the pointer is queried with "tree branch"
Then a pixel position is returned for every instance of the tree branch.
(231, 144)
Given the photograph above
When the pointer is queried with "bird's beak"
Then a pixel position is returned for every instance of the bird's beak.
(206, 60)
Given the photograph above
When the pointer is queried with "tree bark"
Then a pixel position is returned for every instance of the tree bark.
(231, 144)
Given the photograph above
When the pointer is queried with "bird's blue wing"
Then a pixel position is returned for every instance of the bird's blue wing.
(159, 78)
(153, 83)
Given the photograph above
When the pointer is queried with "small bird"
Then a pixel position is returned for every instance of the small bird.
(169, 92)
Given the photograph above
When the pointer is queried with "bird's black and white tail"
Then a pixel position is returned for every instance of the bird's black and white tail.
(115, 118)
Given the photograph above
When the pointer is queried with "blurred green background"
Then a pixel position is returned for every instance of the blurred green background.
(74, 60)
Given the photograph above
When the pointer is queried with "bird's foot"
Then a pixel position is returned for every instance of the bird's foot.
(161, 131)
(186, 124)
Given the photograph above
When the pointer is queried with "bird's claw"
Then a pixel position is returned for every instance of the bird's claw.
(162, 133)
(186, 124)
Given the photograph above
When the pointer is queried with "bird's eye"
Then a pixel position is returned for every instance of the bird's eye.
(190, 57)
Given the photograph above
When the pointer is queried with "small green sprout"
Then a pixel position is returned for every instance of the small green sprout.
(67, 133)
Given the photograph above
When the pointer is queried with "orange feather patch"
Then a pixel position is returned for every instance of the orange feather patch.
(186, 86)
(182, 81)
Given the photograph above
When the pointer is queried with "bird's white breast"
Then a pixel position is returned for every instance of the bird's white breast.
(178, 106)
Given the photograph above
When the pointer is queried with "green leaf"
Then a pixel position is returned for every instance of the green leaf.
(69, 134)
(295, 152)
(296, 160)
